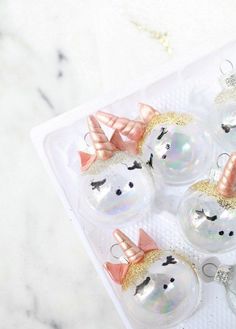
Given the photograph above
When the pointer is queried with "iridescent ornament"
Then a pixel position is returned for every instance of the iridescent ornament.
(225, 118)
(207, 212)
(213, 270)
(177, 144)
(116, 185)
(159, 288)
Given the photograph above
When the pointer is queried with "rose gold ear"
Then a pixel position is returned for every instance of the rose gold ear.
(147, 112)
(117, 272)
(133, 253)
(118, 142)
(146, 243)
(132, 129)
(86, 160)
(227, 183)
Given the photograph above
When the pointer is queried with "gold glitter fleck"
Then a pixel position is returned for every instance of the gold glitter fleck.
(226, 95)
(137, 271)
(210, 189)
(179, 119)
(161, 37)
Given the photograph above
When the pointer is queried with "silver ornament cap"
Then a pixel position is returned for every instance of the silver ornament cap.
(228, 75)
(223, 274)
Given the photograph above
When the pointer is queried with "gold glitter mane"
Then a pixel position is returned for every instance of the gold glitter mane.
(210, 189)
(138, 270)
(179, 119)
(226, 95)
(99, 165)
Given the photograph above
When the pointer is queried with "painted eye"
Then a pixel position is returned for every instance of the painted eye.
(165, 286)
(142, 285)
(221, 233)
(131, 184)
(167, 146)
(231, 233)
(172, 280)
(164, 156)
(118, 192)
(226, 128)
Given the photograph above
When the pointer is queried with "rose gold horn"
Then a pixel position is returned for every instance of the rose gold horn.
(104, 149)
(227, 182)
(132, 129)
(133, 253)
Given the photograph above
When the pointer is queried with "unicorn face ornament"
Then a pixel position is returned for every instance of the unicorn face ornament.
(117, 186)
(207, 213)
(176, 143)
(158, 287)
(225, 118)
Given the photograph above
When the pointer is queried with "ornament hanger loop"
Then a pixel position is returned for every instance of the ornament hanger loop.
(223, 67)
(209, 270)
(87, 139)
(220, 157)
(119, 257)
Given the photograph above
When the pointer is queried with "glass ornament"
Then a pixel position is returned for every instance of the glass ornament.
(176, 144)
(116, 186)
(207, 212)
(213, 270)
(160, 288)
(225, 101)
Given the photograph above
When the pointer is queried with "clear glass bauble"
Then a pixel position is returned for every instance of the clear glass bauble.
(224, 118)
(118, 190)
(231, 290)
(168, 293)
(180, 152)
(207, 223)
(225, 123)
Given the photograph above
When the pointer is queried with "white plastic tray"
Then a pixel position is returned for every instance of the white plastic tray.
(191, 88)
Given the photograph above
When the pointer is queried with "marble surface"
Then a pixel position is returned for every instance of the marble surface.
(53, 57)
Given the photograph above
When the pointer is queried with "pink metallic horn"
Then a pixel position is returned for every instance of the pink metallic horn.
(147, 112)
(133, 253)
(103, 147)
(132, 129)
(227, 182)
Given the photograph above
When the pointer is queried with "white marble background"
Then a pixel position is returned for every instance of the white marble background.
(55, 55)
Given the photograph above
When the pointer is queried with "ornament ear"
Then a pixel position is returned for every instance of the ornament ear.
(146, 243)
(147, 112)
(117, 272)
(118, 142)
(86, 160)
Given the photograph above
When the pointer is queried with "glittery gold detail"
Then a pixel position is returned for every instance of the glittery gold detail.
(99, 165)
(138, 270)
(210, 189)
(179, 119)
(161, 37)
(226, 95)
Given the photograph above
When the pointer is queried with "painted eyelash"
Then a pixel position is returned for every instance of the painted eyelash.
(150, 161)
(98, 184)
(136, 165)
(142, 285)
(227, 128)
(169, 260)
(202, 212)
(164, 131)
